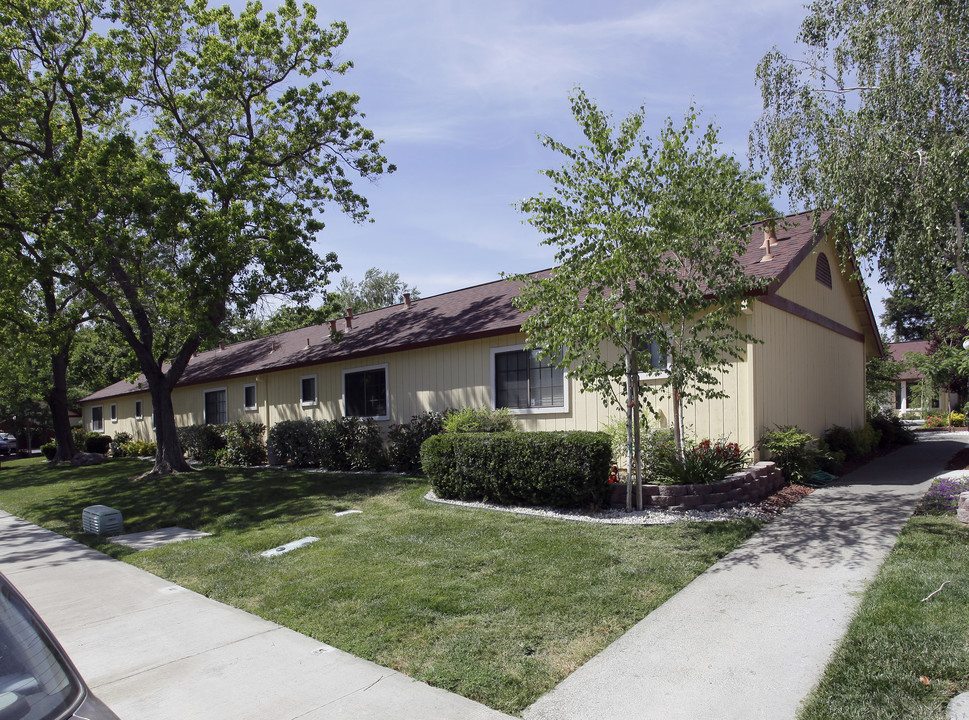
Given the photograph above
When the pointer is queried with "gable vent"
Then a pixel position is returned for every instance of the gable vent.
(822, 271)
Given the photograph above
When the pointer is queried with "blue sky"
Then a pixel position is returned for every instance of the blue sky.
(460, 91)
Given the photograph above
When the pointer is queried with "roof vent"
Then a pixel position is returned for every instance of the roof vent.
(770, 236)
(349, 318)
(307, 342)
(407, 299)
(221, 345)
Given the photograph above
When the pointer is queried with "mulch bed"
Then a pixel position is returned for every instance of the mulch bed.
(784, 498)
(959, 461)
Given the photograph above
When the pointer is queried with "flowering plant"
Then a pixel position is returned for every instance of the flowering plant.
(943, 496)
(703, 463)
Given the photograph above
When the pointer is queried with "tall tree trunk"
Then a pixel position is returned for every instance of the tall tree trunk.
(59, 408)
(630, 429)
(637, 423)
(169, 456)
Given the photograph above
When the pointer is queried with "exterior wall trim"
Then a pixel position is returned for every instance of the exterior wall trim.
(789, 306)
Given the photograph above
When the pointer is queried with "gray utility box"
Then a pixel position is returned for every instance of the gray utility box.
(101, 520)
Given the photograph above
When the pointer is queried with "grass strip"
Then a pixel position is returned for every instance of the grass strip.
(896, 639)
(497, 607)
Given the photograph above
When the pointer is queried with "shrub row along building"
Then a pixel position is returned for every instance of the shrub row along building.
(465, 348)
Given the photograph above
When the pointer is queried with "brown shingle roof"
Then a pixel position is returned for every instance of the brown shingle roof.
(474, 312)
(900, 349)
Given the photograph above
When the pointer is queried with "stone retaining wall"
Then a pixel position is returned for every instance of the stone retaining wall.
(747, 486)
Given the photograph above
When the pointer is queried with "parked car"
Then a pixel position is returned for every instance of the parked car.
(11, 440)
(4, 446)
(37, 680)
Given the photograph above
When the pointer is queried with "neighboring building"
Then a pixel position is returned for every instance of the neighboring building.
(910, 394)
(465, 348)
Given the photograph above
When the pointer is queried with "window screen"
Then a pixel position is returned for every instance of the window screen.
(525, 380)
(215, 407)
(365, 393)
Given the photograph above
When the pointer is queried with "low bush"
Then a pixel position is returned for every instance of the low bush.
(706, 462)
(564, 469)
(841, 439)
(481, 419)
(343, 444)
(793, 450)
(243, 444)
(893, 431)
(957, 419)
(358, 445)
(942, 497)
(295, 442)
(201, 442)
(80, 437)
(406, 439)
(136, 448)
(49, 449)
(866, 439)
(97, 444)
(120, 439)
(936, 421)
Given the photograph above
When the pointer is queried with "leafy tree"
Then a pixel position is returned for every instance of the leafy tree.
(99, 357)
(873, 120)
(906, 315)
(647, 238)
(378, 289)
(218, 203)
(881, 379)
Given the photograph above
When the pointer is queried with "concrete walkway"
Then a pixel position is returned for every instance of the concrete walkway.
(751, 637)
(153, 650)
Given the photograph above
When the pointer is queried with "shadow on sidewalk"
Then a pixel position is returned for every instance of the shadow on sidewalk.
(850, 522)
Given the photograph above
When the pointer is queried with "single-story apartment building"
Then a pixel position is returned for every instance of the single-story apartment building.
(465, 348)
(910, 394)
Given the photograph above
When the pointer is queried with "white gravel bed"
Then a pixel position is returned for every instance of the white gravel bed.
(616, 516)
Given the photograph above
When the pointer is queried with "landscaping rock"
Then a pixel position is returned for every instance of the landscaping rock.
(86, 458)
(963, 511)
(958, 707)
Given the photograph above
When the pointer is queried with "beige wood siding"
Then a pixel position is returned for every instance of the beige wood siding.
(189, 401)
(806, 375)
(835, 302)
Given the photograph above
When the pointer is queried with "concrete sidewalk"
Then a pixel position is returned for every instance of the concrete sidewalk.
(153, 650)
(751, 637)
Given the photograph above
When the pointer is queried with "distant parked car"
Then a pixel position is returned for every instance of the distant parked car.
(4, 446)
(37, 680)
(11, 440)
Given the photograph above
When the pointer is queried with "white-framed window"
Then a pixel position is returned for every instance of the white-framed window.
(365, 392)
(216, 409)
(526, 383)
(139, 410)
(249, 396)
(114, 412)
(658, 363)
(97, 418)
(307, 390)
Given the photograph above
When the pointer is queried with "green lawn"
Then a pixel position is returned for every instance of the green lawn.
(896, 639)
(496, 607)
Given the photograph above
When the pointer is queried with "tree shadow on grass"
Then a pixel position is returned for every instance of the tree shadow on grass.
(222, 497)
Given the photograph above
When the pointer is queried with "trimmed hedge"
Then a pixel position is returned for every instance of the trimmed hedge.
(97, 444)
(235, 443)
(563, 469)
(406, 439)
(343, 444)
